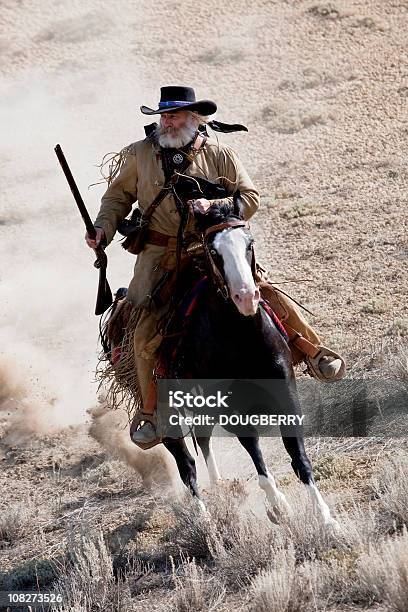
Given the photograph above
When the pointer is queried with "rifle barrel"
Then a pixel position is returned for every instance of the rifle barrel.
(104, 297)
(75, 192)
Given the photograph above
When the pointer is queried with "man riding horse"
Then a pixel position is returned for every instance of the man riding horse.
(177, 148)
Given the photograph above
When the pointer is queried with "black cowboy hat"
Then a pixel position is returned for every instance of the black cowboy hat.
(180, 98)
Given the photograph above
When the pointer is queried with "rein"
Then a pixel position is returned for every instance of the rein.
(214, 272)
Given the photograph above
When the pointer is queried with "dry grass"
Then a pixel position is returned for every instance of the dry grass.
(252, 546)
(15, 522)
(399, 327)
(384, 572)
(391, 486)
(375, 306)
(152, 554)
(89, 584)
(182, 559)
(195, 589)
(195, 533)
(284, 587)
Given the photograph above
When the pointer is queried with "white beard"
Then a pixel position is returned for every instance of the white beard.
(176, 138)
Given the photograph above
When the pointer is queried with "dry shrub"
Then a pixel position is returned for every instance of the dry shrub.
(313, 540)
(333, 465)
(400, 363)
(195, 589)
(338, 579)
(328, 10)
(240, 545)
(316, 567)
(376, 305)
(391, 486)
(16, 522)
(399, 327)
(252, 545)
(89, 584)
(192, 531)
(106, 473)
(30, 575)
(383, 572)
(237, 543)
(195, 532)
(284, 587)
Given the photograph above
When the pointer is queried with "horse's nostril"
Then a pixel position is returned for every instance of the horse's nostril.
(237, 297)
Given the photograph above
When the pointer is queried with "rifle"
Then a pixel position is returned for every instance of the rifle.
(104, 295)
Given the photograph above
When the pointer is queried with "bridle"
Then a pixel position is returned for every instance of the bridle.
(198, 247)
(215, 273)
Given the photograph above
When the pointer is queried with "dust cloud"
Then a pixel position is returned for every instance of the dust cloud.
(48, 332)
(110, 429)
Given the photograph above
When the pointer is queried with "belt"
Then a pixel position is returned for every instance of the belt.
(158, 238)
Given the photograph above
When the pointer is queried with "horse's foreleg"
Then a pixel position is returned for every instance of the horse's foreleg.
(209, 458)
(185, 464)
(303, 469)
(276, 498)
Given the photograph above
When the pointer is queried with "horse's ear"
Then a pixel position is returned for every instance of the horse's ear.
(238, 205)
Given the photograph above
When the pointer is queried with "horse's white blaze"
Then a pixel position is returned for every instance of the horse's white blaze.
(273, 495)
(320, 506)
(212, 466)
(231, 244)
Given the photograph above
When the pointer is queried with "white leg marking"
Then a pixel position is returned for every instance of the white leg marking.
(275, 497)
(320, 507)
(212, 466)
(201, 505)
(202, 510)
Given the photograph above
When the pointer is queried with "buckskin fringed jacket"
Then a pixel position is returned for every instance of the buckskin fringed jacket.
(141, 178)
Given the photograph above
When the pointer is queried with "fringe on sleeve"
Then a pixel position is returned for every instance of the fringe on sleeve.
(112, 163)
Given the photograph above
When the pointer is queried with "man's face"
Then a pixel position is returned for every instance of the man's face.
(174, 121)
(176, 129)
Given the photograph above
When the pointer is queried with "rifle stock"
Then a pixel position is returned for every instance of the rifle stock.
(104, 296)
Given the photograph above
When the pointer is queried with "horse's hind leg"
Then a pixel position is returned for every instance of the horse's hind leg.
(276, 498)
(303, 469)
(206, 448)
(185, 464)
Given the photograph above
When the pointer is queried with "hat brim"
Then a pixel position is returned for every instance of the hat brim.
(203, 107)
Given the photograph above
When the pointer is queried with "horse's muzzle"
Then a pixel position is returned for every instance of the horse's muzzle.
(246, 300)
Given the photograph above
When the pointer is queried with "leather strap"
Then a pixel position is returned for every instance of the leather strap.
(199, 141)
(304, 345)
(158, 238)
(221, 226)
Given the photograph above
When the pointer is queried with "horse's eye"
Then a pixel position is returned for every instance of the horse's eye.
(250, 245)
(213, 252)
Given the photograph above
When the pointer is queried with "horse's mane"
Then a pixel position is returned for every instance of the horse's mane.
(217, 213)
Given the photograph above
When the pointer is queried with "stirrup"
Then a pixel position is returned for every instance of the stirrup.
(140, 418)
(313, 364)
